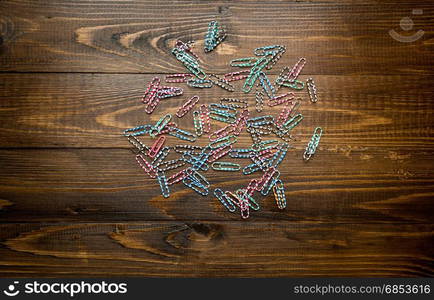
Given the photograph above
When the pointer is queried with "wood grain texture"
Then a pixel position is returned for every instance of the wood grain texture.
(136, 36)
(100, 185)
(234, 249)
(73, 201)
(84, 110)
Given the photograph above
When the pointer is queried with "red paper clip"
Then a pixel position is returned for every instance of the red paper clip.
(151, 91)
(156, 147)
(149, 169)
(241, 122)
(276, 100)
(233, 76)
(268, 174)
(204, 115)
(187, 106)
(222, 132)
(177, 78)
(177, 177)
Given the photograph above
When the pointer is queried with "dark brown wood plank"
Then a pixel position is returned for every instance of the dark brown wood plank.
(394, 113)
(198, 249)
(336, 37)
(104, 185)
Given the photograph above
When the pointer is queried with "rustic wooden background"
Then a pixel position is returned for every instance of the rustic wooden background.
(74, 203)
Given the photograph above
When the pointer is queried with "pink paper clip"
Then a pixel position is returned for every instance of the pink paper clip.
(178, 78)
(219, 153)
(233, 76)
(156, 147)
(187, 106)
(151, 91)
(177, 177)
(276, 100)
(296, 69)
(251, 188)
(149, 169)
(204, 115)
(222, 132)
(266, 177)
(241, 122)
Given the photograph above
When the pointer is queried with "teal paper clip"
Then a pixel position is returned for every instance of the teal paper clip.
(158, 127)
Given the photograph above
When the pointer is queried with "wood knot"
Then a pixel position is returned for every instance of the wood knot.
(196, 237)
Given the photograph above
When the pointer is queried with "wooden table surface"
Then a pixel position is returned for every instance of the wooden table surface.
(73, 201)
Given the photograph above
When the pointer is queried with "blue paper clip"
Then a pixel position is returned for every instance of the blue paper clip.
(139, 130)
(183, 134)
(161, 177)
(221, 196)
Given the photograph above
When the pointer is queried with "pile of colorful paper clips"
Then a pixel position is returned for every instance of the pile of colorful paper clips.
(264, 155)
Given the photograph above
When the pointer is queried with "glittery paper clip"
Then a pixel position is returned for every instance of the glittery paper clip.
(234, 76)
(261, 120)
(139, 130)
(259, 99)
(222, 117)
(170, 164)
(241, 202)
(241, 193)
(284, 98)
(187, 106)
(279, 155)
(177, 177)
(222, 132)
(221, 82)
(198, 163)
(169, 91)
(279, 194)
(195, 186)
(236, 103)
(215, 34)
(266, 177)
(188, 148)
(223, 198)
(221, 142)
(151, 90)
(204, 115)
(243, 62)
(296, 84)
(266, 85)
(197, 122)
(183, 135)
(225, 166)
(200, 83)
(291, 123)
(311, 88)
(161, 155)
(140, 147)
(178, 78)
(241, 122)
(161, 123)
(240, 153)
(145, 165)
(219, 153)
(155, 148)
(161, 178)
(296, 70)
(313, 144)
